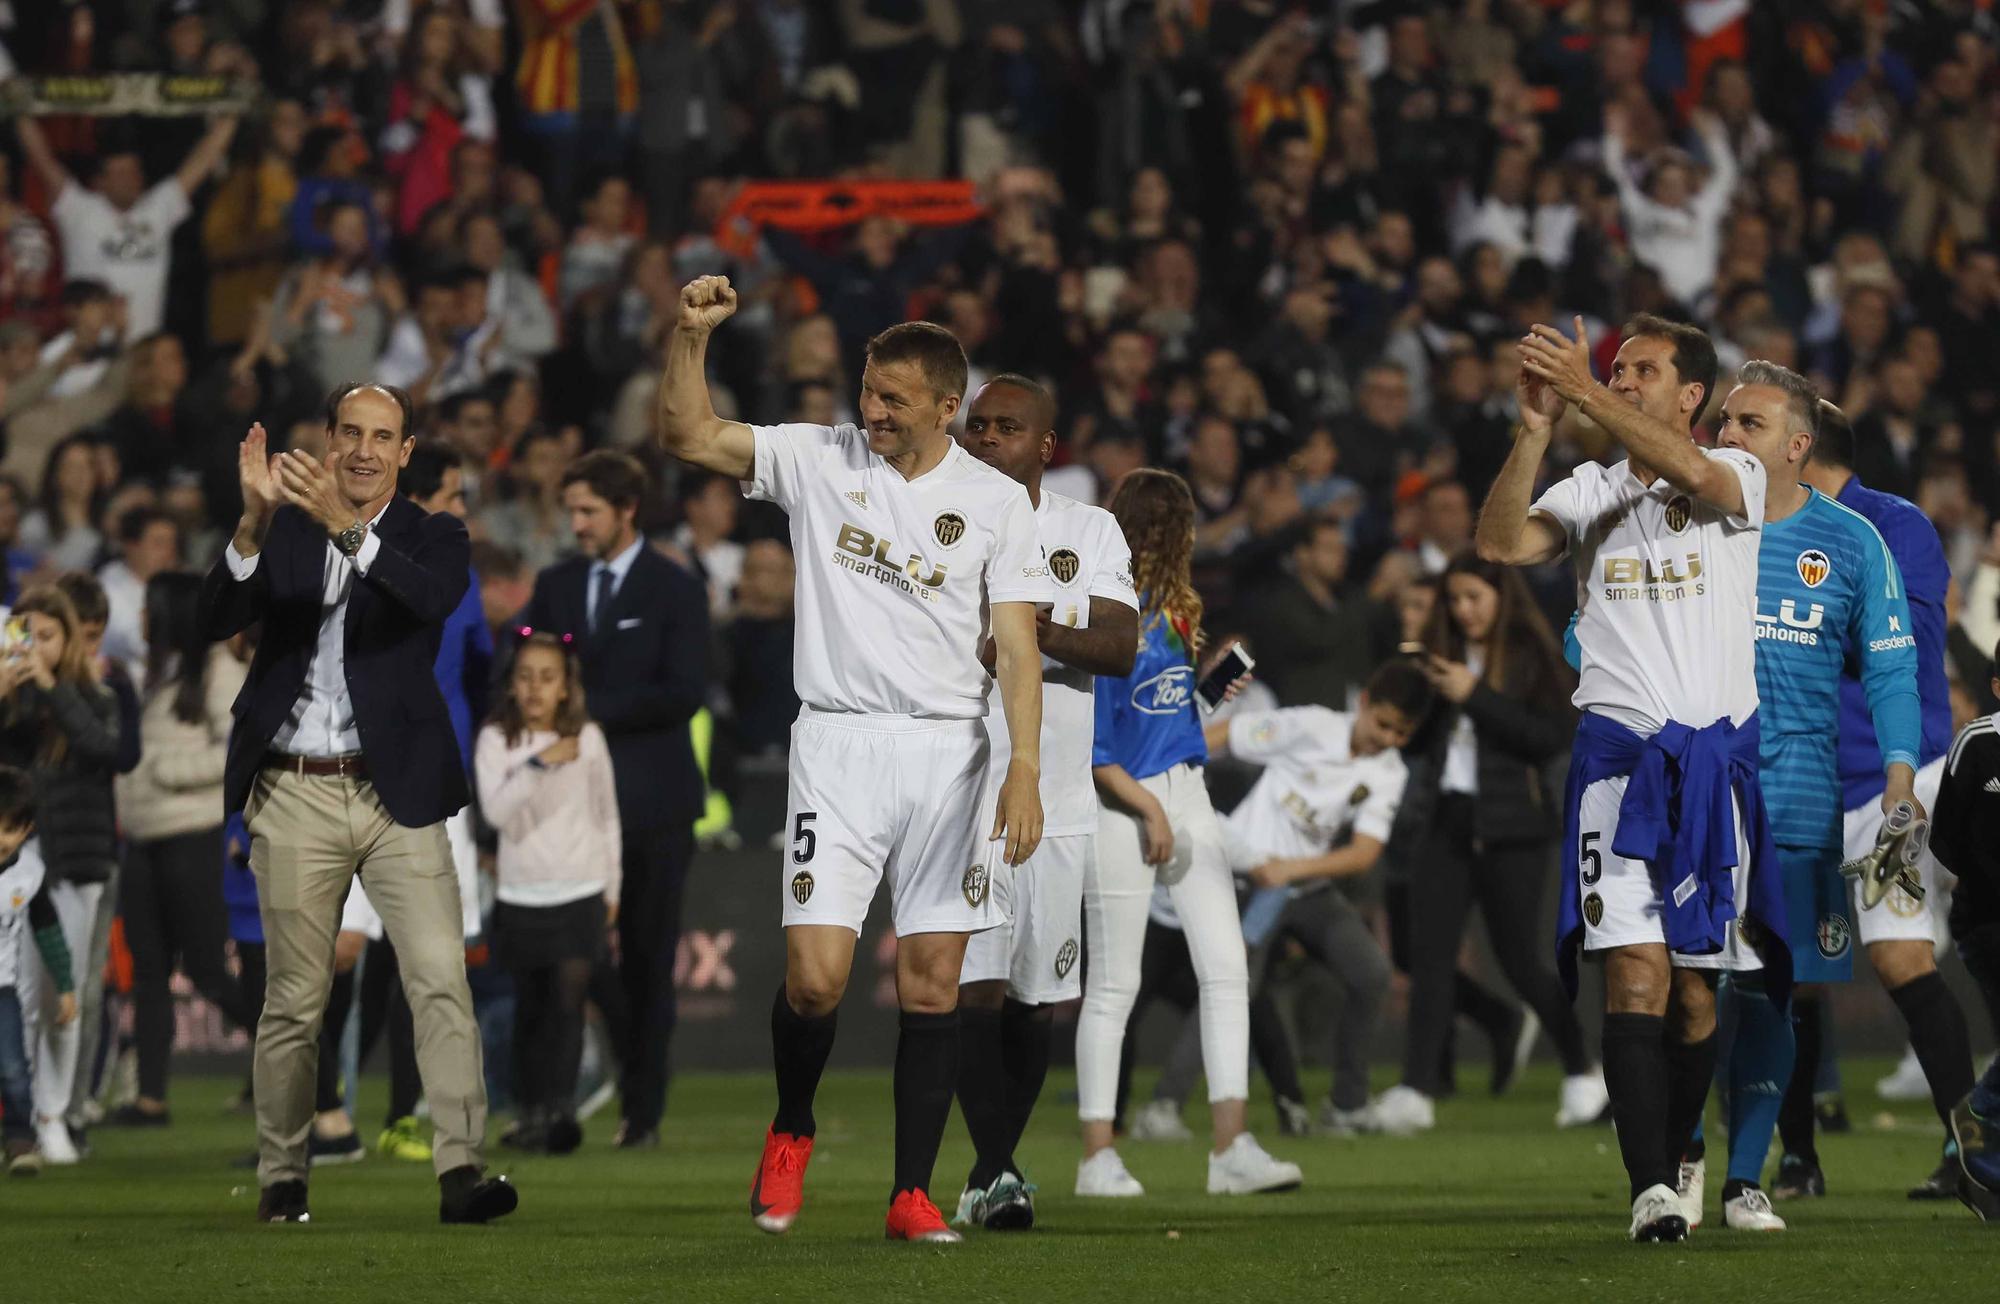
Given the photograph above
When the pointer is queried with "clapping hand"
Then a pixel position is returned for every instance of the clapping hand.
(313, 488)
(257, 473)
(1563, 363)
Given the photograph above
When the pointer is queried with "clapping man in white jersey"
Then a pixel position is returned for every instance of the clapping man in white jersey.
(1017, 972)
(1665, 830)
(910, 552)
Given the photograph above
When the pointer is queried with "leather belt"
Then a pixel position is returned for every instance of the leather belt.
(350, 766)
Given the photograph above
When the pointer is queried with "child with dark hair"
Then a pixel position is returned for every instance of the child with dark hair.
(24, 897)
(1322, 810)
(544, 776)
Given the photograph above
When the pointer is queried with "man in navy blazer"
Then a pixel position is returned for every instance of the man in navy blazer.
(641, 626)
(343, 762)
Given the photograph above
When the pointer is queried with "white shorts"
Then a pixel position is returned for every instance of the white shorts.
(1621, 906)
(1900, 917)
(876, 794)
(1035, 946)
(358, 915)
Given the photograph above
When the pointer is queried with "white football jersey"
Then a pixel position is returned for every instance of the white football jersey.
(18, 885)
(1314, 791)
(1666, 594)
(1087, 558)
(895, 575)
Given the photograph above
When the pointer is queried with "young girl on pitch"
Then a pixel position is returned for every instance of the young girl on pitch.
(544, 777)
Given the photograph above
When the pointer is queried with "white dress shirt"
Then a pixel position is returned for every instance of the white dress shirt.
(619, 566)
(322, 720)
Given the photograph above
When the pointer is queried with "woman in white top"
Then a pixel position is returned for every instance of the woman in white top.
(544, 776)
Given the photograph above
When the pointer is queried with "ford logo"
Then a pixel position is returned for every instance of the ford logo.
(1165, 693)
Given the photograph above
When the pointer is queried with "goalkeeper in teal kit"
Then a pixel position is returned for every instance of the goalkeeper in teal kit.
(1828, 593)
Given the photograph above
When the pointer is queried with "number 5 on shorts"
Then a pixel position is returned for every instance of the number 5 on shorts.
(804, 840)
(1593, 860)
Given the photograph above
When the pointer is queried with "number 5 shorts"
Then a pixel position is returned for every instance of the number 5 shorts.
(1621, 904)
(871, 795)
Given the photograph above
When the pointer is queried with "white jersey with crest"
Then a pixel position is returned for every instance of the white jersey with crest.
(895, 576)
(1666, 594)
(1087, 558)
(1314, 791)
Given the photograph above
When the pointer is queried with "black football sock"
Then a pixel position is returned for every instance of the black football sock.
(799, 1047)
(1795, 1115)
(1026, 1032)
(1635, 1073)
(1938, 1032)
(982, 1092)
(926, 1066)
(339, 1000)
(1690, 1073)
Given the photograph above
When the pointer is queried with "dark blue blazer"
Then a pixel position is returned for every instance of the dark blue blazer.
(394, 617)
(645, 674)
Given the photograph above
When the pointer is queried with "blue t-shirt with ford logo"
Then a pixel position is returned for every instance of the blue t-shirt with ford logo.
(1147, 721)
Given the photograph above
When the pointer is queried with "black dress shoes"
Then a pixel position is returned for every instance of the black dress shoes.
(283, 1202)
(466, 1196)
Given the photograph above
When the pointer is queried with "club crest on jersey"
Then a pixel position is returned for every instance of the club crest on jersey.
(1901, 904)
(949, 528)
(1814, 567)
(1834, 936)
(1066, 958)
(802, 886)
(1359, 795)
(1593, 909)
(974, 885)
(1064, 565)
(1680, 510)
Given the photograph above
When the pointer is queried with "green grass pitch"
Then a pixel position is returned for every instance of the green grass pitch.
(1494, 1206)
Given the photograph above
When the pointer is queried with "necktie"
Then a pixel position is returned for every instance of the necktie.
(603, 602)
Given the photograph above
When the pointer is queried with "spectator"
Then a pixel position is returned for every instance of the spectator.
(504, 585)
(530, 521)
(708, 518)
(18, 561)
(434, 479)
(447, 343)
(36, 417)
(332, 312)
(759, 642)
(246, 229)
(1447, 525)
(1892, 440)
(62, 529)
(58, 721)
(578, 88)
(170, 808)
(516, 310)
(1675, 223)
(329, 168)
(642, 625)
(29, 287)
(119, 230)
(24, 895)
(438, 99)
(1316, 644)
(149, 544)
(1377, 443)
(598, 248)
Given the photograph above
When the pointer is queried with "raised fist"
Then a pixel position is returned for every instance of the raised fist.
(706, 302)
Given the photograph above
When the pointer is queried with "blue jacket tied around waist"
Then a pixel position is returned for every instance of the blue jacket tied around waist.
(1676, 817)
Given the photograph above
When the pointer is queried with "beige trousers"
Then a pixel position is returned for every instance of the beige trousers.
(309, 837)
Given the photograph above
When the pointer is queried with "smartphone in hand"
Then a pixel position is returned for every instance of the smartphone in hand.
(1235, 664)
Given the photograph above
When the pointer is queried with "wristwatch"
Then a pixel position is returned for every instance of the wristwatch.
(350, 539)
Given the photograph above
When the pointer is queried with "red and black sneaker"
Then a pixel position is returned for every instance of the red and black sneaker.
(780, 1186)
(912, 1217)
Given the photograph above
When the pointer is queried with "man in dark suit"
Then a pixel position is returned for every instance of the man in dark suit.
(343, 761)
(641, 623)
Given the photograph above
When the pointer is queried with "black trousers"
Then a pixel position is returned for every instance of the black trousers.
(171, 900)
(1508, 884)
(637, 996)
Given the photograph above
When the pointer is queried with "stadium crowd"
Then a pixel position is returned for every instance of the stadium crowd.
(1285, 250)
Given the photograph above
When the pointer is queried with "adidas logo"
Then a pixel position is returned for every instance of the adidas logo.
(1993, 784)
(858, 497)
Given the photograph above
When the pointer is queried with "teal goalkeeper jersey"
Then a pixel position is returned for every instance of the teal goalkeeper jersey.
(1828, 595)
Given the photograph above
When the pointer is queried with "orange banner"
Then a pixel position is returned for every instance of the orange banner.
(826, 205)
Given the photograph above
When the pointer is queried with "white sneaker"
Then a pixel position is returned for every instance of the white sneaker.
(1404, 1111)
(1906, 1082)
(971, 1207)
(1583, 1100)
(1657, 1215)
(1103, 1174)
(52, 1138)
(1751, 1212)
(1159, 1120)
(1694, 1190)
(1245, 1168)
